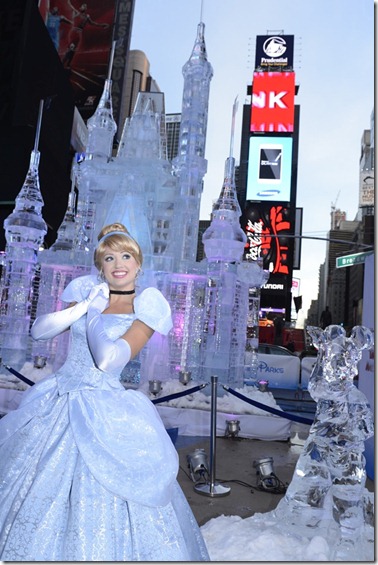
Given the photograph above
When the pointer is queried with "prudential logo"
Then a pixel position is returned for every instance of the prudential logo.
(274, 46)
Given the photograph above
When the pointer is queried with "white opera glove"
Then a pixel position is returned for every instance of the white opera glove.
(108, 355)
(50, 325)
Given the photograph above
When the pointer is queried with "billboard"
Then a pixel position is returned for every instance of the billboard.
(272, 108)
(269, 168)
(366, 197)
(268, 228)
(273, 51)
(82, 34)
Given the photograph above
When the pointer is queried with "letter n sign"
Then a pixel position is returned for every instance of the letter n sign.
(273, 102)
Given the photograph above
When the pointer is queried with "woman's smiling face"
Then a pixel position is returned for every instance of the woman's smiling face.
(120, 269)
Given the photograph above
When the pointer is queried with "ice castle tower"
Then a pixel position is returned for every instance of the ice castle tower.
(224, 242)
(190, 164)
(25, 230)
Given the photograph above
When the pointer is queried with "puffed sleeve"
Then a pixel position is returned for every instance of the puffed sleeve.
(78, 289)
(153, 309)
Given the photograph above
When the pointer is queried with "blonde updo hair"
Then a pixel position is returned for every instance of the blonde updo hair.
(116, 242)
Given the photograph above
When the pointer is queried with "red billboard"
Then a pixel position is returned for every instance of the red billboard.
(268, 227)
(82, 35)
(272, 106)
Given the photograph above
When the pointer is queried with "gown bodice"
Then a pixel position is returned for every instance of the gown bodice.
(79, 370)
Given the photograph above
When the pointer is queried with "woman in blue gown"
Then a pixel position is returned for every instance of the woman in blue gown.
(87, 469)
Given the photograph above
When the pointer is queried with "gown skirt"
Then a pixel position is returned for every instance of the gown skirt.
(88, 472)
(53, 508)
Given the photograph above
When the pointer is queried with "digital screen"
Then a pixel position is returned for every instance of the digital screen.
(269, 168)
(272, 108)
(270, 164)
(268, 228)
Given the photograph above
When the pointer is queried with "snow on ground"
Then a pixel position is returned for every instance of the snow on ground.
(262, 538)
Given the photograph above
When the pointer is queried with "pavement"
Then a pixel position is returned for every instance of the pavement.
(233, 468)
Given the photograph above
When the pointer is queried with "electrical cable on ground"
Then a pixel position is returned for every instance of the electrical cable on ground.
(270, 483)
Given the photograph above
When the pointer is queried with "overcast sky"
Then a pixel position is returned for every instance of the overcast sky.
(334, 65)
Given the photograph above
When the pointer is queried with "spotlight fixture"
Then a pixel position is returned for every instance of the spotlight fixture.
(39, 361)
(268, 480)
(232, 428)
(154, 387)
(185, 377)
(263, 385)
(264, 467)
(198, 465)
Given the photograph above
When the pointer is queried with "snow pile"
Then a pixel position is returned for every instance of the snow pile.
(201, 401)
(263, 538)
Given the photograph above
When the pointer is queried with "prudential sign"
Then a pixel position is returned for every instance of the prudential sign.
(274, 52)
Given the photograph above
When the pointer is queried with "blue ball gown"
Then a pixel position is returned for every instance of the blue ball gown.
(87, 469)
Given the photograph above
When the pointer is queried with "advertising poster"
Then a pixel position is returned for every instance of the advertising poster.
(82, 34)
(269, 168)
(272, 108)
(267, 227)
(366, 196)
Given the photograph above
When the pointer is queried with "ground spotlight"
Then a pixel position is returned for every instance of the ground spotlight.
(232, 428)
(264, 467)
(39, 361)
(154, 387)
(185, 377)
(263, 385)
(198, 465)
(268, 480)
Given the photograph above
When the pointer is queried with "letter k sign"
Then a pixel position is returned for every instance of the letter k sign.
(276, 99)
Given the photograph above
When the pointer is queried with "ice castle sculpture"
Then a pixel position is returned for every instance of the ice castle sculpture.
(159, 202)
(328, 486)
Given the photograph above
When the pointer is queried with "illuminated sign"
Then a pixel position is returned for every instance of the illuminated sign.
(269, 168)
(273, 51)
(267, 228)
(273, 102)
(295, 284)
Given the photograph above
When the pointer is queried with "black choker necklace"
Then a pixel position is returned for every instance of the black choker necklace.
(122, 291)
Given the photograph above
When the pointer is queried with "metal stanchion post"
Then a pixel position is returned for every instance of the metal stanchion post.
(213, 489)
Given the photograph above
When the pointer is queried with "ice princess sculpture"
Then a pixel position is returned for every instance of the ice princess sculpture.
(328, 485)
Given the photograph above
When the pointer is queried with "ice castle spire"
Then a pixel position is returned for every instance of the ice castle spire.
(92, 171)
(102, 126)
(66, 234)
(143, 135)
(24, 232)
(224, 239)
(190, 164)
